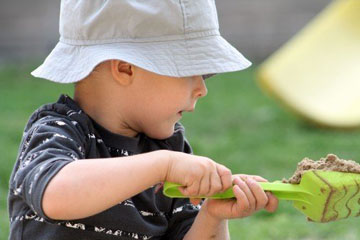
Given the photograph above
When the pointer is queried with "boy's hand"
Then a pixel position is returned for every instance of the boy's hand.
(200, 176)
(250, 198)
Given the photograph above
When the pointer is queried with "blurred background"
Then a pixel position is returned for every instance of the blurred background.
(29, 29)
(236, 124)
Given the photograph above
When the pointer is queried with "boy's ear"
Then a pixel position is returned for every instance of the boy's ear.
(122, 72)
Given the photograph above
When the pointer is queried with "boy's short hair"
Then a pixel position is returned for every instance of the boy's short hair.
(173, 38)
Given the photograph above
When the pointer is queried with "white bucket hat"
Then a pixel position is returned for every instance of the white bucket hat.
(176, 38)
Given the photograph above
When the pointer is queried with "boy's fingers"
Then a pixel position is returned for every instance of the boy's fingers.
(204, 186)
(241, 200)
(258, 178)
(192, 190)
(245, 188)
(225, 175)
(255, 177)
(183, 190)
(260, 196)
(272, 204)
(195, 201)
(216, 185)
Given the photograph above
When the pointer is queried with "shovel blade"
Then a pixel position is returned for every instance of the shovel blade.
(335, 195)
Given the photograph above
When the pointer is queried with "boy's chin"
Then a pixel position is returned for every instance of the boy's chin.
(161, 134)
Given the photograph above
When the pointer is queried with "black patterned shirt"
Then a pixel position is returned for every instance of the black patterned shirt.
(60, 133)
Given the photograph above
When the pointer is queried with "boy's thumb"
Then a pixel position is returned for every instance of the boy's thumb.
(195, 201)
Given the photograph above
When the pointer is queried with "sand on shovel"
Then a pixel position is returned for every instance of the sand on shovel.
(330, 163)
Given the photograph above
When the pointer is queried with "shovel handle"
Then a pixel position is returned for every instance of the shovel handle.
(283, 191)
(286, 191)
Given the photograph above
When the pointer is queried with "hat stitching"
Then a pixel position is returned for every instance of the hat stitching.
(192, 35)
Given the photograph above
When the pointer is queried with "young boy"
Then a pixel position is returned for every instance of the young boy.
(90, 167)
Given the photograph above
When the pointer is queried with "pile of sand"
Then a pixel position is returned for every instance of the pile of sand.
(330, 163)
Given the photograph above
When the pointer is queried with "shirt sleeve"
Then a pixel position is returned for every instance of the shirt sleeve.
(45, 149)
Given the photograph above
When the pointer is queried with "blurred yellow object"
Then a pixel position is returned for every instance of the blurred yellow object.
(317, 73)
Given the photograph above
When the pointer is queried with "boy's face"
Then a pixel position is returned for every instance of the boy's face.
(156, 102)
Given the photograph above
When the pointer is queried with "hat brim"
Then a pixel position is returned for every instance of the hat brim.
(181, 58)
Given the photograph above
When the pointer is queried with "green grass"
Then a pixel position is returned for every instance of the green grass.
(20, 95)
(235, 125)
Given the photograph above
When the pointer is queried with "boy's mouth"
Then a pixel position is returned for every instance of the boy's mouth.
(189, 110)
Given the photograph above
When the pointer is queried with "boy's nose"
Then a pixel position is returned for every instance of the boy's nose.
(200, 90)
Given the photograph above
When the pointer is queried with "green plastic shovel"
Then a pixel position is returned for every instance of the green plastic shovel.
(323, 196)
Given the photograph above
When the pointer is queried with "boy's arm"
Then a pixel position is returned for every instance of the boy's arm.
(208, 227)
(57, 182)
(94, 185)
